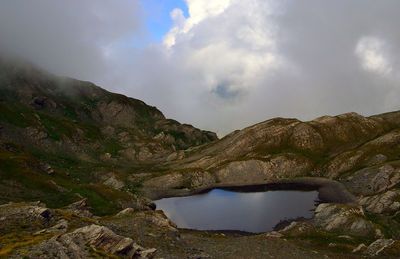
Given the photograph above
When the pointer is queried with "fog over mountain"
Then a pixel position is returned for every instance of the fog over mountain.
(227, 65)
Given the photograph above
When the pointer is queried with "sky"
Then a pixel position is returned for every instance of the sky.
(219, 65)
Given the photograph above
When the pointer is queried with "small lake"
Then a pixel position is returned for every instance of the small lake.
(254, 212)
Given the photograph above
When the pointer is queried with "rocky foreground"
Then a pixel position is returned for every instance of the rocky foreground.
(31, 230)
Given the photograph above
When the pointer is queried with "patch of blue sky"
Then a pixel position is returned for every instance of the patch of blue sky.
(157, 16)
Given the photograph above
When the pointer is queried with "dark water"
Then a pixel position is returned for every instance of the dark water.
(226, 210)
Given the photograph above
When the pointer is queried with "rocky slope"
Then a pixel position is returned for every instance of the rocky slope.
(64, 141)
(353, 161)
(350, 148)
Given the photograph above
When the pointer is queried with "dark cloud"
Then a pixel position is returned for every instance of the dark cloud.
(67, 37)
(230, 64)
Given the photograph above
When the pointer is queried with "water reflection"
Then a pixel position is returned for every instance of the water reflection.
(226, 210)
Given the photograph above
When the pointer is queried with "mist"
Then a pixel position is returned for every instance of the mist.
(227, 65)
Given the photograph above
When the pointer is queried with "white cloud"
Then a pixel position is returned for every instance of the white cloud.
(372, 54)
(228, 42)
(199, 10)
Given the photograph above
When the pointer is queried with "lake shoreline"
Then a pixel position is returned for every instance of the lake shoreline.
(330, 191)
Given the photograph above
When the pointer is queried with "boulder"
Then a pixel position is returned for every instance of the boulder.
(114, 183)
(345, 218)
(80, 208)
(371, 181)
(297, 228)
(47, 168)
(27, 215)
(387, 202)
(60, 227)
(125, 212)
(359, 248)
(383, 247)
(75, 245)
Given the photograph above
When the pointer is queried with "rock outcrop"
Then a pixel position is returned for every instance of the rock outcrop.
(75, 245)
(30, 215)
(388, 202)
(80, 208)
(344, 218)
(383, 247)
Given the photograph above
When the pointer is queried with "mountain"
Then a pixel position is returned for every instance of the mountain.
(333, 147)
(80, 166)
(62, 138)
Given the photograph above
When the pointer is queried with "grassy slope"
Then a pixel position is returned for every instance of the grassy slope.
(73, 144)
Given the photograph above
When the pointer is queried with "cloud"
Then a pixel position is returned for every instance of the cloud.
(72, 37)
(371, 52)
(255, 60)
(229, 63)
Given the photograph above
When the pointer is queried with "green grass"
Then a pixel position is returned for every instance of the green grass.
(22, 168)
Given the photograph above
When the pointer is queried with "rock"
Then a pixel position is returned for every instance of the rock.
(182, 136)
(387, 202)
(144, 154)
(346, 218)
(166, 138)
(384, 179)
(359, 248)
(47, 168)
(306, 138)
(80, 208)
(75, 244)
(383, 247)
(125, 212)
(195, 179)
(378, 233)
(258, 172)
(114, 183)
(274, 234)
(106, 156)
(296, 229)
(371, 181)
(178, 155)
(42, 102)
(141, 203)
(377, 159)
(27, 215)
(158, 220)
(342, 163)
(60, 227)
(148, 253)
(45, 213)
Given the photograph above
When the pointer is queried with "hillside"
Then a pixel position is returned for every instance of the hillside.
(334, 147)
(61, 139)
